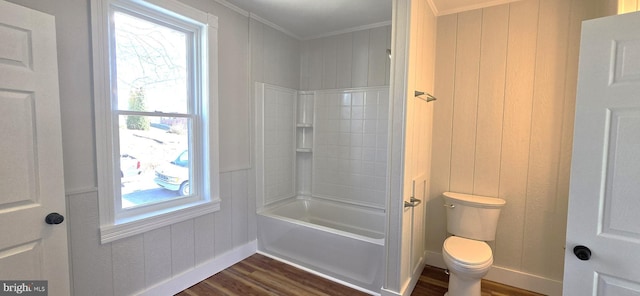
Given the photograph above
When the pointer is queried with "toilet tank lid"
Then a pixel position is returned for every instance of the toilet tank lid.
(476, 200)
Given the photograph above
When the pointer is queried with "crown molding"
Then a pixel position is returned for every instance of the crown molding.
(274, 26)
(349, 30)
(472, 6)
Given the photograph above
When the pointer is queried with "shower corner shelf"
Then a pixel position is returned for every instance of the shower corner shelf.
(303, 150)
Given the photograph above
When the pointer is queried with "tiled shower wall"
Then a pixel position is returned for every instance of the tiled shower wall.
(350, 76)
(279, 142)
(350, 145)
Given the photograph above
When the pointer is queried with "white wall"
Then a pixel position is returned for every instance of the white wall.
(274, 56)
(354, 59)
(347, 63)
(275, 61)
(503, 124)
(233, 73)
(139, 262)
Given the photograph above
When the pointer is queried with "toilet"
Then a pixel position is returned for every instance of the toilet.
(472, 220)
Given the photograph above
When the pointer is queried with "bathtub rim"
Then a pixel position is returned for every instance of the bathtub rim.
(268, 212)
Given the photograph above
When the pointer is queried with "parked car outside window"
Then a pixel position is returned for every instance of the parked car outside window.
(174, 175)
(129, 166)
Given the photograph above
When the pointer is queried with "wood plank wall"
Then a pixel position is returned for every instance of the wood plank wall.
(503, 124)
(354, 59)
(625, 6)
(273, 57)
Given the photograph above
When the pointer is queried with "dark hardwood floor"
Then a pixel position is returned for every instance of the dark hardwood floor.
(260, 275)
(434, 281)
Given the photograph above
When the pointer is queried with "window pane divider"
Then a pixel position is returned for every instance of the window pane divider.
(155, 113)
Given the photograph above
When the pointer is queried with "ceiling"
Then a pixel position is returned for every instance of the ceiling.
(444, 7)
(308, 19)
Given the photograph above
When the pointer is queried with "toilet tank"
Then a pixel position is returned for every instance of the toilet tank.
(472, 216)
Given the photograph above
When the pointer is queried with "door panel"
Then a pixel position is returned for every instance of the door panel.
(16, 51)
(621, 208)
(604, 197)
(31, 175)
(609, 285)
(21, 262)
(20, 182)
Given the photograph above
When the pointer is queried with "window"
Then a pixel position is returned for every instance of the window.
(156, 100)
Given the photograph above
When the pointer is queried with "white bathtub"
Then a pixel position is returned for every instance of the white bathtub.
(342, 242)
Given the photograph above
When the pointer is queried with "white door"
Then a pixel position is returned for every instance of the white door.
(31, 179)
(604, 198)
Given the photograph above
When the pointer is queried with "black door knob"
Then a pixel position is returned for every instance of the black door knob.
(582, 252)
(54, 218)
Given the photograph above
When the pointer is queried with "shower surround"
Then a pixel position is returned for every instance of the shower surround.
(321, 177)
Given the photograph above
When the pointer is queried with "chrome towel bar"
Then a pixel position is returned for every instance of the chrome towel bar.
(429, 97)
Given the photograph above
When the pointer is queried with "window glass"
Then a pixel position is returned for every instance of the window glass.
(155, 91)
(154, 120)
(156, 167)
(151, 63)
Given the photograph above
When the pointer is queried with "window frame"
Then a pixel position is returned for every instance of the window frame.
(115, 222)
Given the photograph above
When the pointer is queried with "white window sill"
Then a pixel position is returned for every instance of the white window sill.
(154, 220)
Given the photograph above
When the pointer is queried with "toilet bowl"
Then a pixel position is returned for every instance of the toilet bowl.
(471, 220)
(467, 261)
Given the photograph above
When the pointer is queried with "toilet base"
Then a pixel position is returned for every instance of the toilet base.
(463, 286)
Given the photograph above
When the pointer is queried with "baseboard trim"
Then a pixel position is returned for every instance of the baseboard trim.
(191, 277)
(525, 281)
(408, 288)
(435, 259)
(410, 285)
(386, 292)
(510, 277)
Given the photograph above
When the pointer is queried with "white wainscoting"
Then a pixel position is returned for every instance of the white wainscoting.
(201, 272)
(134, 264)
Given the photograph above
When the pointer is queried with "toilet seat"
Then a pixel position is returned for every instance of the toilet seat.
(467, 253)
